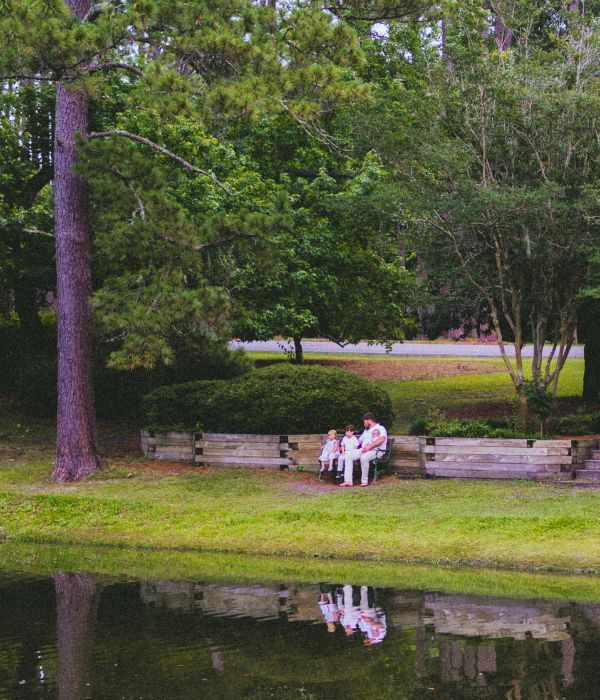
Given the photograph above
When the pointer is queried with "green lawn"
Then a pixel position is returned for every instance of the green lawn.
(135, 504)
(516, 524)
(412, 398)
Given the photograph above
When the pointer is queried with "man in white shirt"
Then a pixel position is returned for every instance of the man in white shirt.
(372, 444)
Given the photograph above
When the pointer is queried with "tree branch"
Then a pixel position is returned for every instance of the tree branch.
(163, 151)
(96, 9)
(112, 65)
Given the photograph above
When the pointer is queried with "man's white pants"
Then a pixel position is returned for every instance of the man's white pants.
(365, 459)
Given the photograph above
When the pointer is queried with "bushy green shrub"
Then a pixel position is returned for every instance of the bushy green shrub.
(468, 428)
(577, 424)
(280, 399)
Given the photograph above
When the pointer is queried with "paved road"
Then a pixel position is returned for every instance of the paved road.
(408, 349)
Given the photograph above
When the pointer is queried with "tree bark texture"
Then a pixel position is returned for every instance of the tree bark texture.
(76, 448)
(77, 597)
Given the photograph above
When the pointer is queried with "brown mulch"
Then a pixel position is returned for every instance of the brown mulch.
(393, 369)
(397, 370)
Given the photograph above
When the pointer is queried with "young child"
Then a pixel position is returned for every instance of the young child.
(330, 451)
(349, 442)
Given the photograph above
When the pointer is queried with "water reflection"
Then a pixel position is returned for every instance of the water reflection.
(75, 636)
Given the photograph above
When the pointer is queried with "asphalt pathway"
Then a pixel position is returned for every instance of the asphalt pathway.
(408, 349)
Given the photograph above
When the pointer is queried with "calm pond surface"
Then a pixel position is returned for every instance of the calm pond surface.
(74, 636)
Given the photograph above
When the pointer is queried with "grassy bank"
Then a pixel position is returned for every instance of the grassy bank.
(43, 560)
(143, 504)
(138, 503)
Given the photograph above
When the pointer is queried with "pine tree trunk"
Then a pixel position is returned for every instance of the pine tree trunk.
(298, 351)
(76, 446)
(77, 597)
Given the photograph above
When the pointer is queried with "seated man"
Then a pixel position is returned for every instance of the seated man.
(372, 443)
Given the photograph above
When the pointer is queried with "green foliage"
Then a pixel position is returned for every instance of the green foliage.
(539, 400)
(277, 399)
(467, 428)
(29, 374)
(576, 424)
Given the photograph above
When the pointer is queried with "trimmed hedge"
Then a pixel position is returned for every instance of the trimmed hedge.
(276, 399)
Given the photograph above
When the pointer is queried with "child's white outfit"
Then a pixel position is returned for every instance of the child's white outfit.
(330, 451)
(349, 444)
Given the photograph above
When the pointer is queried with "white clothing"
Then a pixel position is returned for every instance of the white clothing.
(350, 613)
(349, 443)
(330, 451)
(365, 459)
(371, 434)
(329, 611)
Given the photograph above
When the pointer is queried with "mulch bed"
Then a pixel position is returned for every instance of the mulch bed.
(393, 369)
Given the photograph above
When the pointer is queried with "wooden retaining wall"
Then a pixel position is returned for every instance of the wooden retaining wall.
(481, 458)
(465, 458)
(204, 449)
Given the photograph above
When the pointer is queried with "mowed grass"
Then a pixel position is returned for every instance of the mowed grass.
(135, 504)
(142, 504)
(119, 562)
(413, 398)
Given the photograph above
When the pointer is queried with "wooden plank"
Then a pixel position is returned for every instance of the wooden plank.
(239, 437)
(174, 449)
(503, 442)
(169, 435)
(176, 456)
(489, 474)
(168, 441)
(236, 465)
(237, 459)
(241, 445)
(491, 466)
(501, 458)
(258, 455)
(475, 449)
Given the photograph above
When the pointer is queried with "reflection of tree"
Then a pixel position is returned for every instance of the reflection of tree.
(77, 597)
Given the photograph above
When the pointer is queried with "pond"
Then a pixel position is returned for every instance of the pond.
(92, 635)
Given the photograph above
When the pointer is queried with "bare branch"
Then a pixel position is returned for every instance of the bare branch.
(316, 132)
(38, 232)
(163, 151)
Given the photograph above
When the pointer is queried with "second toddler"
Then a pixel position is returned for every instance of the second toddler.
(349, 442)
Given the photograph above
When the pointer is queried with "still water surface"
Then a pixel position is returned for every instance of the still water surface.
(73, 636)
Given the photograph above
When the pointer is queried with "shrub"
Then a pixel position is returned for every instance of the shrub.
(280, 399)
(468, 428)
(577, 424)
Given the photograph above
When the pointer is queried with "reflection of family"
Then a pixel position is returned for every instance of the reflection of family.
(351, 617)
(370, 445)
